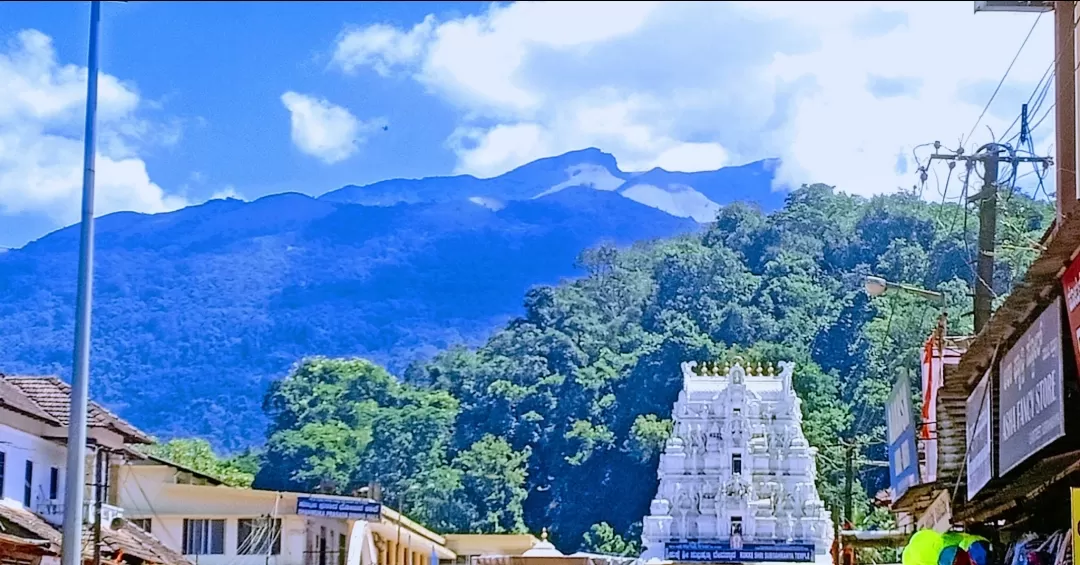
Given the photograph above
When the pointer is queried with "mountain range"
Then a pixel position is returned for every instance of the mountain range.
(197, 310)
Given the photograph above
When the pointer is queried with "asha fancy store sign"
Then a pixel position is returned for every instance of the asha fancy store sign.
(1032, 411)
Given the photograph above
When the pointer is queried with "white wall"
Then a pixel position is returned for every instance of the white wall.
(18, 447)
(149, 491)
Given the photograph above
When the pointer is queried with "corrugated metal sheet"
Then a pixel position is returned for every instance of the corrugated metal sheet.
(952, 429)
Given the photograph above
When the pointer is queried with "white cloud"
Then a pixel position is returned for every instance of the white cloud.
(42, 107)
(381, 47)
(229, 191)
(696, 85)
(324, 130)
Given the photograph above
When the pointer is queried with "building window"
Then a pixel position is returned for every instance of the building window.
(736, 525)
(258, 536)
(54, 483)
(3, 464)
(204, 537)
(28, 486)
(736, 464)
(143, 524)
(322, 545)
(342, 549)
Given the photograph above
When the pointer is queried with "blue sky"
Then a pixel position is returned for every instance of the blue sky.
(246, 98)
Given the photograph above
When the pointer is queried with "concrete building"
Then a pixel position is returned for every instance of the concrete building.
(737, 474)
(214, 524)
(33, 434)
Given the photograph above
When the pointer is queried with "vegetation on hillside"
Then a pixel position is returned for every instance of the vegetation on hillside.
(197, 310)
(558, 420)
(198, 455)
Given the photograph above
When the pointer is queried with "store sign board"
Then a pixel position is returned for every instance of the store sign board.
(339, 508)
(1074, 494)
(695, 552)
(1030, 393)
(1070, 286)
(900, 424)
(980, 440)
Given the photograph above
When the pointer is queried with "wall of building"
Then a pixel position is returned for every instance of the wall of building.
(150, 492)
(18, 447)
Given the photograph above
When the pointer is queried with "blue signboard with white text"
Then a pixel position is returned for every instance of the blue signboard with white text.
(903, 453)
(696, 552)
(338, 508)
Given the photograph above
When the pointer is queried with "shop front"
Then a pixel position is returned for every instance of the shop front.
(1022, 445)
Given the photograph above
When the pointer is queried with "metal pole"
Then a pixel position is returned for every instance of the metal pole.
(1065, 108)
(76, 444)
(98, 493)
(984, 280)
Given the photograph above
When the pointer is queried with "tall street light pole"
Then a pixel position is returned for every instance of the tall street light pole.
(71, 548)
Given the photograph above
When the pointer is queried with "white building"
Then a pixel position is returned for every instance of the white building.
(33, 456)
(214, 524)
(737, 475)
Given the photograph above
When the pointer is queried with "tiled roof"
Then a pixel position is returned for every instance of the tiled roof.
(54, 397)
(12, 397)
(127, 537)
(136, 542)
(24, 523)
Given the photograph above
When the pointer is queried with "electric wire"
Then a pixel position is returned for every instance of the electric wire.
(1003, 77)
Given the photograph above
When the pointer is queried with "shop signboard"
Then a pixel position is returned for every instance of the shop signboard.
(720, 552)
(1074, 494)
(900, 424)
(356, 509)
(1030, 391)
(1070, 286)
(980, 467)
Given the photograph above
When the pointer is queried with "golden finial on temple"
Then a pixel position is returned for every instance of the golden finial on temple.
(543, 534)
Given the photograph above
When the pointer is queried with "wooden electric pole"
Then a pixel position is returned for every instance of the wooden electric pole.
(990, 156)
(984, 270)
(849, 482)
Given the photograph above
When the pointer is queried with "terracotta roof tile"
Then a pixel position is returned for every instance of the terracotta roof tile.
(12, 397)
(135, 541)
(20, 521)
(127, 538)
(54, 397)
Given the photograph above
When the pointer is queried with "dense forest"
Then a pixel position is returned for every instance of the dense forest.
(557, 421)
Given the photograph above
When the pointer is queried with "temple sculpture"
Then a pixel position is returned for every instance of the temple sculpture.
(737, 474)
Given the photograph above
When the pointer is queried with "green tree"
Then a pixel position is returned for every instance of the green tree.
(493, 475)
(571, 402)
(602, 538)
(198, 455)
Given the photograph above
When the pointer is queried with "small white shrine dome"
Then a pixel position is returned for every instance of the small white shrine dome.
(543, 548)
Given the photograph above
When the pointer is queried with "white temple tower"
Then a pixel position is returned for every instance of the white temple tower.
(737, 474)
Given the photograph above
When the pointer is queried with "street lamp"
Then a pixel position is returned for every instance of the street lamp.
(71, 544)
(876, 286)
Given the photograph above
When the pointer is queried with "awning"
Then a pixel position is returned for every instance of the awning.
(874, 538)
(917, 498)
(1021, 491)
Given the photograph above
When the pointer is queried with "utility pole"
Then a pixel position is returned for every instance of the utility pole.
(849, 481)
(990, 156)
(71, 543)
(99, 491)
(1065, 107)
(984, 270)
